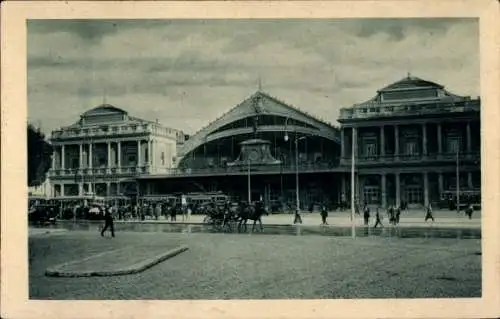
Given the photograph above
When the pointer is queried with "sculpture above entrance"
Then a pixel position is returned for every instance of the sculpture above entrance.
(256, 153)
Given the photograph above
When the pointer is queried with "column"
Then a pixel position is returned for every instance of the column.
(343, 195)
(342, 144)
(119, 154)
(354, 136)
(383, 181)
(90, 155)
(108, 189)
(63, 165)
(424, 139)
(470, 185)
(139, 160)
(382, 141)
(153, 153)
(54, 160)
(440, 140)
(80, 156)
(426, 189)
(109, 154)
(468, 138)
(440, 183)
(396, 140)
(80, 189)
(398, 189)
(62, 189)
(150, 152)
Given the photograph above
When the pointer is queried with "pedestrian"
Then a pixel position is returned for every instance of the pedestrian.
(324, 215)
(298, 218)
(366, 214)
(428, 214)
(108, 222)
(189, 211)
(398, 215)
(469, 211)
(390, 213)
(378, 221)
(157, 211)
(173, 213)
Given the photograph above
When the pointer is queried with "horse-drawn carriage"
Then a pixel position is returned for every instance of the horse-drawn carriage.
(231, 216)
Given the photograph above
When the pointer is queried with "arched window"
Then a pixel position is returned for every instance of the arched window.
(264, 120)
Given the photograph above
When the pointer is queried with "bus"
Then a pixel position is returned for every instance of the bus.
(448, 199)
(190, 198)
(73, 206)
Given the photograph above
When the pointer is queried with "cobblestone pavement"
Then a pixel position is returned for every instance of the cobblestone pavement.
(231, 266)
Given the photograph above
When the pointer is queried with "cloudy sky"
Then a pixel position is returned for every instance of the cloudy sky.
(188, 72)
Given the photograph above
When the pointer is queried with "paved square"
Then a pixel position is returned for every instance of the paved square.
(230, 266)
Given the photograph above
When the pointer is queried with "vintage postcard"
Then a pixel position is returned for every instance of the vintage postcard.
(250, 159)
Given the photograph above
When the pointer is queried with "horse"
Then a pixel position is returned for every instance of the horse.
(252, 212)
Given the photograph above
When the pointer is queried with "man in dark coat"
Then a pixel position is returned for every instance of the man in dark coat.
(108, 222)
(366, 214)
(324, 214)
(378, 220)
(428, 213)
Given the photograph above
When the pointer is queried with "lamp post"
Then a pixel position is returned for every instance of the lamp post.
(458, 176)
(353, 182)
(249, 185)
(297, 139)
(281, 181)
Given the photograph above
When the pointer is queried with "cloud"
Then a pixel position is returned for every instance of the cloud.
(188, 72)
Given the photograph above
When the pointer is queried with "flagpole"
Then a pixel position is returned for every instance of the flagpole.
(353, 184)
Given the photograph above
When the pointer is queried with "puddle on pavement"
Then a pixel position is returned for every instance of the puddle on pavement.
(291, 230)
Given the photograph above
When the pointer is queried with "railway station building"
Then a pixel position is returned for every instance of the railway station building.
(106, 149)
(250, 152)
(410, 138)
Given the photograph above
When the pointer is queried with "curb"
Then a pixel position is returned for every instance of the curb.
(46, 232)
(139, 267)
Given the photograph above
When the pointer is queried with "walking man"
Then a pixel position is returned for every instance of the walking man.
(157, 210)
(324, 214)
(298, 218)
(398, 215)
(469, 211)
(366, 214)
(428, 214)
(108, 222)
(377, 221)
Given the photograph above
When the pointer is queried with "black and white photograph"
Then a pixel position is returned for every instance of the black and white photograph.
(254, 158)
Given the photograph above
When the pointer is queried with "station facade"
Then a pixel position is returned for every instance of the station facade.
(106, 149)
(410, 139)
(250, 151)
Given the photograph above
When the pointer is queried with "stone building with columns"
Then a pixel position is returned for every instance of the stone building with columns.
(106, 149)
(408, 138)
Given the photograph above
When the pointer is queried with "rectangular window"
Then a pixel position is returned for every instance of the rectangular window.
(410, 94)
(370, 150)
(453, 145)
(414, 195)
(371, 194)
(411, 148)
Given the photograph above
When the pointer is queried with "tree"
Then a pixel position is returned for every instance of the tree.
(39, 157)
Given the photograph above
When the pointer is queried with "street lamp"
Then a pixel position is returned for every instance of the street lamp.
(458, 175)
(297, 139)
(249, 185)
